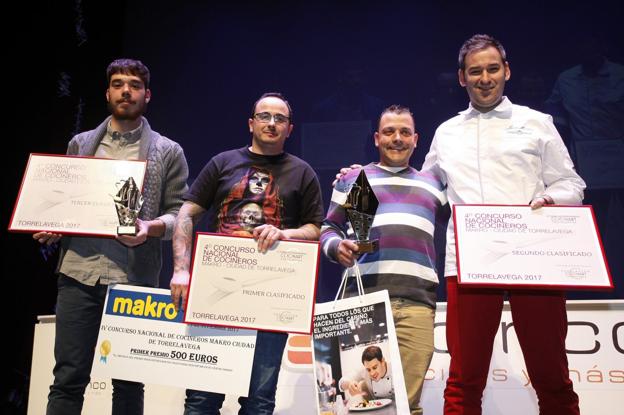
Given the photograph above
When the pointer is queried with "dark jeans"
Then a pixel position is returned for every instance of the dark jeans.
(78, 315)
(264, 376)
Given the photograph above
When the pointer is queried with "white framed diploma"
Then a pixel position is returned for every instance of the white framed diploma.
(72, 195)
(233, 284)
(554, 247)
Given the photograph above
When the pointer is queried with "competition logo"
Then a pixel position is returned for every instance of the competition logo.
(563, 219)
(286, 316)
(142, 305)
(291, 255)
(577, 273)
(105, 349)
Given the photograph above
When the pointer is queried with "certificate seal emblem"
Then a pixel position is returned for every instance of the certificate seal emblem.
(285, 317)
(292, 256)
(105, 349)
(576, 273)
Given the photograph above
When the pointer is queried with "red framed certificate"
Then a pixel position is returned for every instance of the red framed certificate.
(232, 284)
(554, 247)
(72, 195)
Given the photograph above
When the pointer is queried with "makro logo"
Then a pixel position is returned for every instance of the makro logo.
(142, 305)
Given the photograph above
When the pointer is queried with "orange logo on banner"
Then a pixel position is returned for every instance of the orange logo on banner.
(298, 354)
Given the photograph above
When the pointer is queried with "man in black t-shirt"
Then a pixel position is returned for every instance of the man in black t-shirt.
(258, 191)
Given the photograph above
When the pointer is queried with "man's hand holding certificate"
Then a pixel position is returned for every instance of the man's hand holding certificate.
(552, 247)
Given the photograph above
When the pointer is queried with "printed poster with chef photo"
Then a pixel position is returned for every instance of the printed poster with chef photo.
(356, 357)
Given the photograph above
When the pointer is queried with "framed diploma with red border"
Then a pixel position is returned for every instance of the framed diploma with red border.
(554, 247)
(72, 195)
(233, 284)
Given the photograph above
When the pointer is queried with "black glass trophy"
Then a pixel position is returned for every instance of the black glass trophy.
(361, 206)
(128, 202)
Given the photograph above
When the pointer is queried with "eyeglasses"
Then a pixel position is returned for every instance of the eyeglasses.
(267, 116)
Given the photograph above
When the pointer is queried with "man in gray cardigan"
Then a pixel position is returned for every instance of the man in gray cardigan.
(87, 265)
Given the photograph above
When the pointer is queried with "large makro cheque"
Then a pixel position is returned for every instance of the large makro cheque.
(556, 247)
(233, 284)
(74, 195)
(143, 339)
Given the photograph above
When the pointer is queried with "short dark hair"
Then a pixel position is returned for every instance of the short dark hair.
(275, 95)
(370, 353)
(129, 67)
(396, 109)
(479, 42)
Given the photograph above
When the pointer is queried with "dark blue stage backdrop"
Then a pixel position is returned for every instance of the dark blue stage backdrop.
(337, 62)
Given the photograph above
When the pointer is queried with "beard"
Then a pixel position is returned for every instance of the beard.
(130, 113)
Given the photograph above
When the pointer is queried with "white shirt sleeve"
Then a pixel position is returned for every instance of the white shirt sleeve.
(431, 163)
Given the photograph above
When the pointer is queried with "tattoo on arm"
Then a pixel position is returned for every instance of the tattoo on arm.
(189, 215)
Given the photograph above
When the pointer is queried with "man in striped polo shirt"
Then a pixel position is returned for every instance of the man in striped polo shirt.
(404, 263)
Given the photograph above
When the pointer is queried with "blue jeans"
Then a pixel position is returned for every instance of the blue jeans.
(264, 375)
(78, 316)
